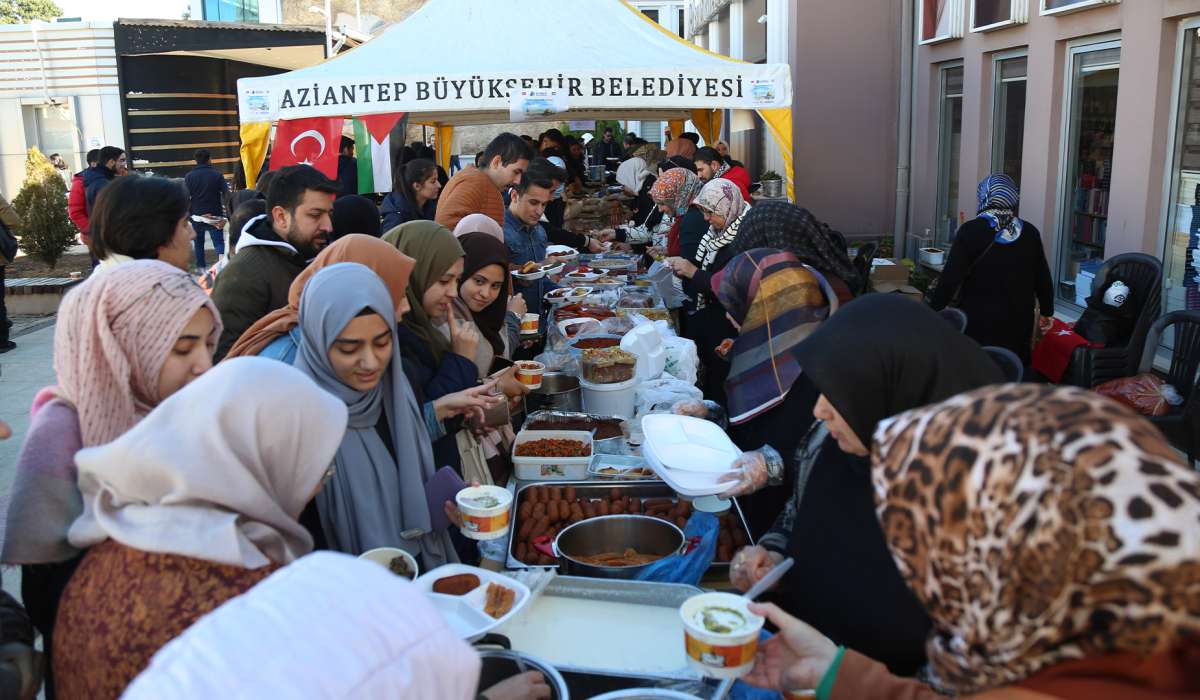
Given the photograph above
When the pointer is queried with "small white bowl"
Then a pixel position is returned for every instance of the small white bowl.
(384, 556)
(484, 522)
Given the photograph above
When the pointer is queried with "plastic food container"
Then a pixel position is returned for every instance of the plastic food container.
(610, 399)
(530, 373)
(607, 365)
(465, 614)
(384, 557)
(690, 454)
(573, 326)
(576, 346)
(720, 633)
(529, 323)
(619, 468)
(552, 468)
(484, 511)
(567, 295)
(635, 300)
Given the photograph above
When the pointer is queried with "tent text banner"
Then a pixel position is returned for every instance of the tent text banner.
(738, 86)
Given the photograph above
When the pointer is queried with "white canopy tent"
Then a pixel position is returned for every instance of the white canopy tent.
(459, 62)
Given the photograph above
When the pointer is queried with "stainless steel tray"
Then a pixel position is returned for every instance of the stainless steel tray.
(666, 595)
(599, 489)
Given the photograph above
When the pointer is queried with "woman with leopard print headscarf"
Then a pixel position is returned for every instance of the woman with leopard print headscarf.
(1052, 536)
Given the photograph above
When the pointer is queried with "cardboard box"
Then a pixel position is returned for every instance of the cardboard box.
(901, 289)
(888, 270)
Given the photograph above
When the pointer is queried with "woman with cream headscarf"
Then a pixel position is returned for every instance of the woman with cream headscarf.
(721, 203)
(127, 337)
(636, 175)
(179, 520)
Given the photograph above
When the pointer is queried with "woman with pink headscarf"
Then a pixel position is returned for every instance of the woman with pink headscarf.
(127, 338)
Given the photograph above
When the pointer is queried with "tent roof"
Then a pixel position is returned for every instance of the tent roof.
(457, 61)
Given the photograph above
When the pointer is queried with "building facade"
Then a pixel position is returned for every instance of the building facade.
(845, 59)
(1092, 105)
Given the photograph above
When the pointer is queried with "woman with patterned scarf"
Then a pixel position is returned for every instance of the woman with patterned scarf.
(1050, 534)
(997, 270)
(721, 203)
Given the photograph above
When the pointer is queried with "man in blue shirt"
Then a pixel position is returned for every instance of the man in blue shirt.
(207, 188)
(524, 234)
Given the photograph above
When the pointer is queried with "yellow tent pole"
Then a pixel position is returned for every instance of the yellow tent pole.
(676, 127)
(779, 123)
(445, 143)
(254, 149)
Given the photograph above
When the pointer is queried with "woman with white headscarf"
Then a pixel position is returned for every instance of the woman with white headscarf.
(179, 520)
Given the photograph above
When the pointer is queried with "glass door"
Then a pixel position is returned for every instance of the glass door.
(949, 151)
(1181, 255)
(1092, 118)
(1008, 116)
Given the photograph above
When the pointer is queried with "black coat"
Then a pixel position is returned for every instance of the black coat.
(999, 285)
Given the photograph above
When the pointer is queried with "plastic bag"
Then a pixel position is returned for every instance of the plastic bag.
(664, 282)
(683, 362)
(659, 395)
(559, 362)
(1145, 393)
(701, 535)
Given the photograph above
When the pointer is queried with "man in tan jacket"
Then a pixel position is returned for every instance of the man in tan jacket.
(11, 221)
(478, 190)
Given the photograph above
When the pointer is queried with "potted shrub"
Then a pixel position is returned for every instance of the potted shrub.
(47, 232)
(772, 184)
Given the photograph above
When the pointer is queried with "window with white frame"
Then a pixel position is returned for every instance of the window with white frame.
(1008, 114)
(950, 105)
(1181, 254)
(987, 15)
(940, 20)
(1062, 7)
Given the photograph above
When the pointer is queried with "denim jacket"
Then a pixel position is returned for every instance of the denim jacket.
(527, 244)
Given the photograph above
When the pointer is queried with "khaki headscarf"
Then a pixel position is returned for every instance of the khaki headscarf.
(1037, 525)
(435, 249)
(392, 266)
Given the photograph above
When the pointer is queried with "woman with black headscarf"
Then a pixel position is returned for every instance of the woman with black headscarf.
(354, 213)
(783, 225)
(875, 357)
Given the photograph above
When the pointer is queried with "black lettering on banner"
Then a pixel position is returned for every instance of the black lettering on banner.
(476, 87)
(597, 87)
(545, 83)
(666, 87)
(441, 89)
(526, 83)
(494, 85)
(710, 87)
(648, 87)
(511, 84)
(573, 89)
(614, 87)
(348, 96)
(694, 84)
(458, 86)
(365, 89)
(727, 87)
(739, 84)
(303, 94)
(385, 94)
(330, 97)
(399, 89)
(286, 102)
(630, 90)
(422, 91)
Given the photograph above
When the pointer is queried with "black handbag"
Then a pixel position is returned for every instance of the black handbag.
(8, 244)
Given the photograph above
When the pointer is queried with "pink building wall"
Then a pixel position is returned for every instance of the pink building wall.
(845, 60)
(1148, 30)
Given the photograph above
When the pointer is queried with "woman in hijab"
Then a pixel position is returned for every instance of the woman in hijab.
(674, 193)
(876, 357)
(721, 204)
(775, 302)
(637, 177)
(127, 338)
(179, 520)
(376, 497)
(438, 341)
(478, 223)
(354, 213)
(997, 271)
(783, 225)
(277, 335)
(1049, 533)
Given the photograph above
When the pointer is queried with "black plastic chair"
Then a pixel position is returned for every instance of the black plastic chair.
(1143, 274)
(1182, 424)
(955, 317)
(1010, 364)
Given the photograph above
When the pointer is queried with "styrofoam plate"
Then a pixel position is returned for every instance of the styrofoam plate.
(464, 614)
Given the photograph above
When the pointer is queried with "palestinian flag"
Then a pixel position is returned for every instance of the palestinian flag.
(372, 148)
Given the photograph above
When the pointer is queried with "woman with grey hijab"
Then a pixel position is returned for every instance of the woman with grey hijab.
(376, 496)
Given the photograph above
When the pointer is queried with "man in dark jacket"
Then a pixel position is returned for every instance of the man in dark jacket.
(273, 249)
(606, 147)
(347, 174)
(207, 188)
(110, 163)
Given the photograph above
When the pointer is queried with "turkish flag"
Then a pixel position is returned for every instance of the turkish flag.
(312, 142)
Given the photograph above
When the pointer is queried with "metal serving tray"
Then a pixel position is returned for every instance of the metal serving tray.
(666, 595)
(600, 489)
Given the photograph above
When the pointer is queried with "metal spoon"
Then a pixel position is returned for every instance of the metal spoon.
(756, 590)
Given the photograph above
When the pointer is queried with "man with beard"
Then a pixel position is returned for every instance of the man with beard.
(273, 249)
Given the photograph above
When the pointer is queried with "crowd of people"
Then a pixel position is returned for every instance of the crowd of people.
(953, 534)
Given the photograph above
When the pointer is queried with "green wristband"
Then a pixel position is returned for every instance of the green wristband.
(825, 687)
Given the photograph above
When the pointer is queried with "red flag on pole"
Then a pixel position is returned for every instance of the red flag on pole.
(312, 142)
